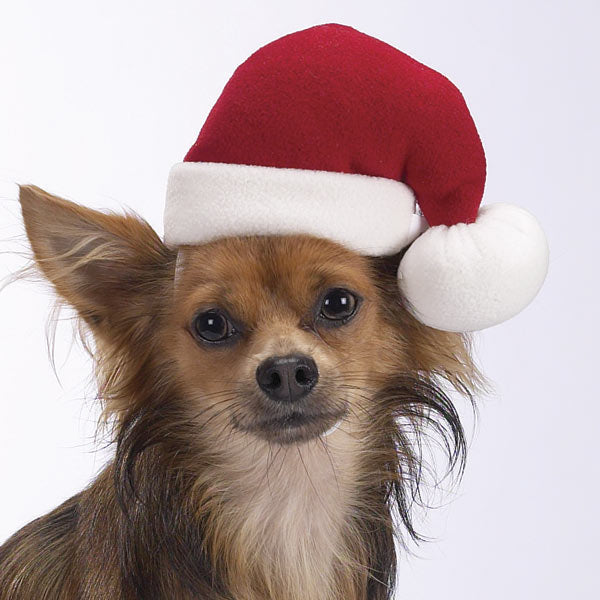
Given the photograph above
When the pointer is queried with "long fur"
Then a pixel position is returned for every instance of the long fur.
(191, 508)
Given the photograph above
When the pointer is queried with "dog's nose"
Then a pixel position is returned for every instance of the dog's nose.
(287, 378)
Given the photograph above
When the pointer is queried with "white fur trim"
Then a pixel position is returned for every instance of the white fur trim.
(370, 215)
(471, 276)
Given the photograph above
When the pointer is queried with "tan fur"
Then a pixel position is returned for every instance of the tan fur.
(282, 522)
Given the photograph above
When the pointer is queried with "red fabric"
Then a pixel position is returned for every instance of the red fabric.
(333, 99)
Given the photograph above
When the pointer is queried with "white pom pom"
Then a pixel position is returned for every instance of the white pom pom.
(471, 276)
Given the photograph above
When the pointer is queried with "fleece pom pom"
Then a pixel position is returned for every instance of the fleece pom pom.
(467, 277)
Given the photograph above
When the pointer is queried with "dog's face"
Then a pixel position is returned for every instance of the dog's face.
(276, 337)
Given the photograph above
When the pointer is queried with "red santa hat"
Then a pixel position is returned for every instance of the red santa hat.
(333, 133)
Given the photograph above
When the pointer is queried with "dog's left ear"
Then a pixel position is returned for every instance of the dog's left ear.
(107, 266)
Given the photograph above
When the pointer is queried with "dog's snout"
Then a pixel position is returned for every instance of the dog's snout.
(287, 378)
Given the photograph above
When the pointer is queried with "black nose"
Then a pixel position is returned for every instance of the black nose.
(287, 378)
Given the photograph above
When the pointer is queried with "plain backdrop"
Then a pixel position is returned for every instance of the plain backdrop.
(99, 99)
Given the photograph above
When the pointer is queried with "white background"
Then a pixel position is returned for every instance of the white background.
(99, 99)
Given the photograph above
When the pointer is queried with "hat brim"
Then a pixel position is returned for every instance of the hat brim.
(373, 216)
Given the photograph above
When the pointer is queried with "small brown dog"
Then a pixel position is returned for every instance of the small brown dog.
(268, 398)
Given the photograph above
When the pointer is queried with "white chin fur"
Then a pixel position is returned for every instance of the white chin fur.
(471, 276)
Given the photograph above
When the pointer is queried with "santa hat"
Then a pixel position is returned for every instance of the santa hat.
(333, 133)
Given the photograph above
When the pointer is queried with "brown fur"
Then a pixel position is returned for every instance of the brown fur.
(194, 505)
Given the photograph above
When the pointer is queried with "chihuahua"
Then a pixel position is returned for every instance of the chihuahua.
(268, 398)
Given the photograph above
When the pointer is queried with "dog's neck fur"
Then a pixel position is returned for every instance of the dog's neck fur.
(237, 518)
(285, 524)
(280, 528)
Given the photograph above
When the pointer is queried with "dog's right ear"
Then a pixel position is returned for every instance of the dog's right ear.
(109, 267)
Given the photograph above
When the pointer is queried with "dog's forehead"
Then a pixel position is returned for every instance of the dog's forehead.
(251, 270)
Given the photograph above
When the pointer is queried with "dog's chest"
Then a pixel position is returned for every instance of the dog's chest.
(288, 509)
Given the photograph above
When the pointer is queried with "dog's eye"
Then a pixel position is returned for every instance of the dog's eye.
(213, 326)
(338, 305)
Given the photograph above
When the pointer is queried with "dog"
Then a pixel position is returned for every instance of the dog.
(268, 398)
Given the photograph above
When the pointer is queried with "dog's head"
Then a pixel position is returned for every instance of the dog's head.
(250, 342)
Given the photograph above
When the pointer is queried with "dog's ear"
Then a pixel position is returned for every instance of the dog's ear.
(107, 266)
